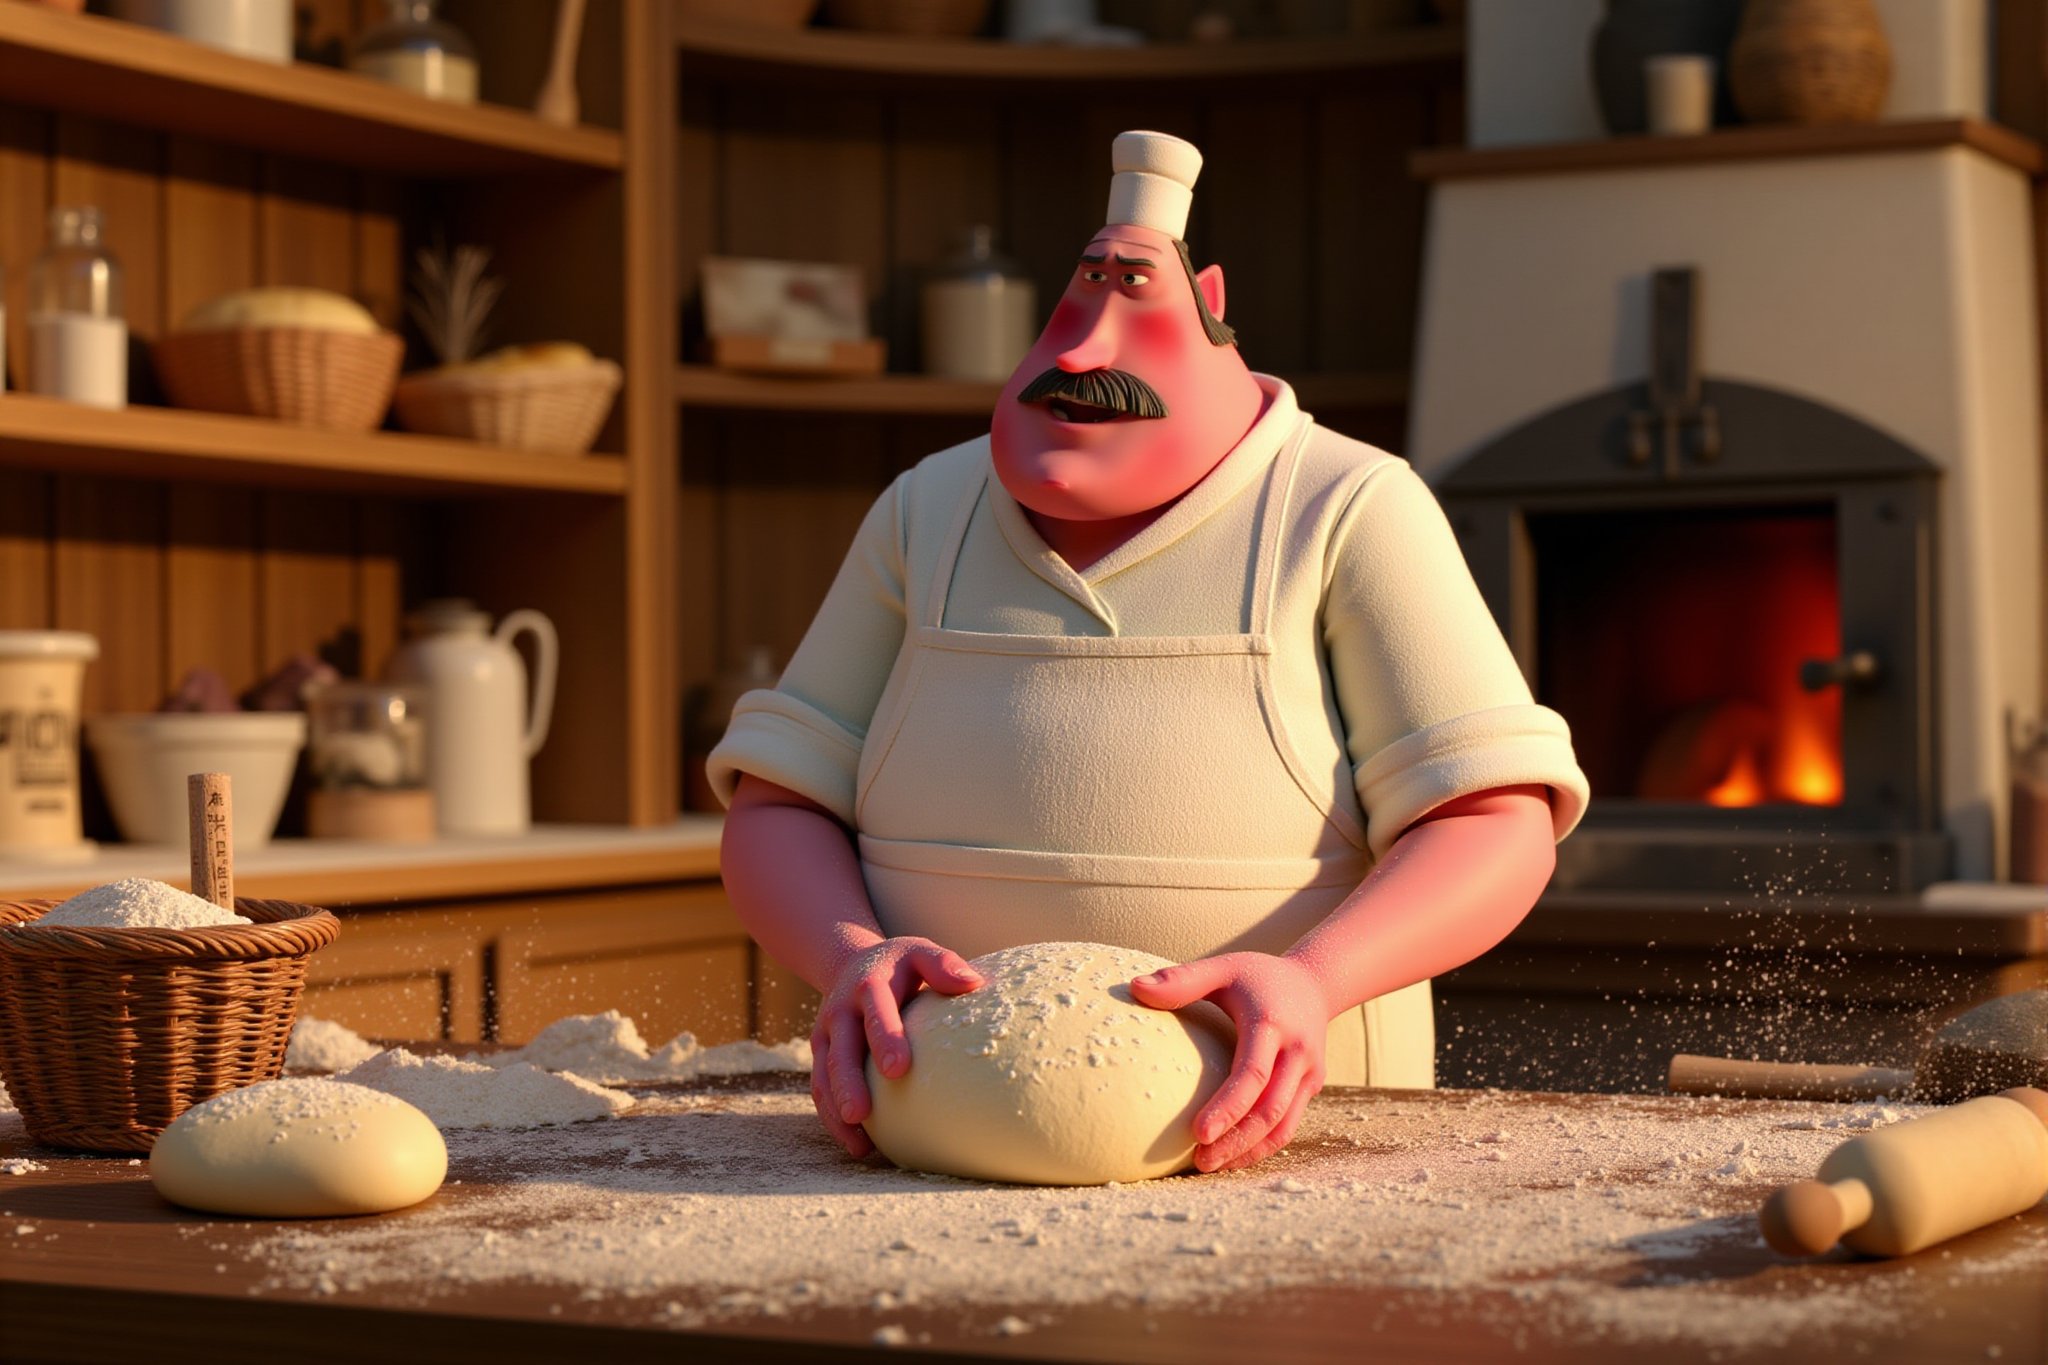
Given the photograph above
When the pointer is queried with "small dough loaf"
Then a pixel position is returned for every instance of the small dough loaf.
(1051, 1073)
(299, 1148)
(314, 309)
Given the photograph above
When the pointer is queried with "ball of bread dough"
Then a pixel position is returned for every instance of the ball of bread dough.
(283, 306)
(299, 1148)
(1050, 1073)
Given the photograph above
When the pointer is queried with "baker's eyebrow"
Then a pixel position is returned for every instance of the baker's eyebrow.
(1135, 260)
(1093, 260)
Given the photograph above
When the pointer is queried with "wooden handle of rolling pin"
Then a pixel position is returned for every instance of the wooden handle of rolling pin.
(210, 814)
(1691, 1075)
(1906, 1187)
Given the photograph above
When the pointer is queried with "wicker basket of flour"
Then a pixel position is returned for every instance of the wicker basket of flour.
(129, 1003)
(305, 356)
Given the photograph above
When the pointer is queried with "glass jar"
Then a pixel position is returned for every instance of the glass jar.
(78, 338)
(368, 746)
(980, 312)
(368, 735)
(414, 50)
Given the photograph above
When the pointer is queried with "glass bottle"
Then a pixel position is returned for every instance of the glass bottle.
(414, 50)
(980, 312)
(78, 338)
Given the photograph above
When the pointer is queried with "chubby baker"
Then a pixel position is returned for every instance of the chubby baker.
(1158, 662)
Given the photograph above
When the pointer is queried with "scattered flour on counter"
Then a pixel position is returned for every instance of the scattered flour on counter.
(321, 1045)
(713, 1207)
(20, 1165)
(608, 1048)
(137, 903)
(459, 1094)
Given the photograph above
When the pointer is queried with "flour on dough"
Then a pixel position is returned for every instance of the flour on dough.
(1051, 1073)
(299, 1148)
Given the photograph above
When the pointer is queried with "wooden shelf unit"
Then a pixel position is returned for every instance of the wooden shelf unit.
(812, 54)
(1734, 144)
(129, 74)
(170, 444)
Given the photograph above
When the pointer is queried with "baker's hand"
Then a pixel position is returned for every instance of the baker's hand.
(1282, 1026)
(863, 1013)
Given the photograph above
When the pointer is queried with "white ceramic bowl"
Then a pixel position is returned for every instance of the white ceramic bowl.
(144, 760)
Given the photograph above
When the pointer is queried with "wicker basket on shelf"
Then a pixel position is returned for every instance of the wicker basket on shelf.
(554, 410)
(915, 18)
(106, 1035)
(307, 376)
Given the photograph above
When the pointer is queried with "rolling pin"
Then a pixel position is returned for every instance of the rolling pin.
(1999, 1044)
(1902, 1188)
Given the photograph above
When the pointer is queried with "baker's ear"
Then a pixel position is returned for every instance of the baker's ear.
(1210, 281)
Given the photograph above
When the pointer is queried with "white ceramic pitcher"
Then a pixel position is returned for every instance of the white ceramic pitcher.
(484, 727)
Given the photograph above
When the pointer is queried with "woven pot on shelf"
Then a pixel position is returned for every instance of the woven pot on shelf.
(1810, 61)
(303, 375)
(556, 410)
(914, 18)
(106, 1035)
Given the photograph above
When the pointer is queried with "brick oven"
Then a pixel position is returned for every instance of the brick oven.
(1741, 437)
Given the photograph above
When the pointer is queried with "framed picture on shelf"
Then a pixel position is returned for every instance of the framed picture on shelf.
(788, 316)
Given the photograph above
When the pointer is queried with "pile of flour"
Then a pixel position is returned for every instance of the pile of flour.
(138, 903)
(323, 1045)
(608, 1048)
(458, 1094)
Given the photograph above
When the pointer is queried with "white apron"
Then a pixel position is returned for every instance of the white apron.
(1030, 788)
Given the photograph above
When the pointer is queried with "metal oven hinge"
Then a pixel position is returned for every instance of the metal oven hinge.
(1659, 431)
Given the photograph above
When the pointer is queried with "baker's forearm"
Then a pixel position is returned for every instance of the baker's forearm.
(1450, 888)
(794, 879)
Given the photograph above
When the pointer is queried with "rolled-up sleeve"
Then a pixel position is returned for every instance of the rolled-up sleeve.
(1433, 704)
(806, 732)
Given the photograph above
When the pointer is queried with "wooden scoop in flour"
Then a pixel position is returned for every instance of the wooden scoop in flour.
(210, 816)
(1998, 1045)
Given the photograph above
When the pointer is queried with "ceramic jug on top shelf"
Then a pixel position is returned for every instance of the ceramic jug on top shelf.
(485, 727)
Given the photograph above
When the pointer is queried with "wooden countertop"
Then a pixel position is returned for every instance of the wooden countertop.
(342, 874)
(93, 1266)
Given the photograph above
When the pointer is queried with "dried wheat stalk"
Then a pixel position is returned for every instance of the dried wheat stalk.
(451, 299)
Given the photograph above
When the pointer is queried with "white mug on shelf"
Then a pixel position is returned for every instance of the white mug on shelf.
(1679, 93)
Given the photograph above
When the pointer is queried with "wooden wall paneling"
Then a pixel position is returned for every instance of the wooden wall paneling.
(379, 250)
(805, 179)
(565, 558)
(1367, 235)
(307, 581)
(24, 208)
(1257, 199)
(209, 223)
(695, 207)
(108, 573)
(2019, 54)
(795, 491)
(308, 229)
(696, 512)
(212, 590)
(380, 582)
(1447, 112)
(1055, 184)
(945, 177)
(24, 550)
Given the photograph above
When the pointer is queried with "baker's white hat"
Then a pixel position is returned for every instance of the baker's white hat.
(1153, 181)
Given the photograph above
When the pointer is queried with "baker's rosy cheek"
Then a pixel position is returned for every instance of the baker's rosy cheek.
(1158, 330)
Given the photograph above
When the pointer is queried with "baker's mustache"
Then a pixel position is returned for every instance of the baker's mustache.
(1116, 389)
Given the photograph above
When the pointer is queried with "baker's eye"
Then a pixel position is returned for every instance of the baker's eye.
(1094, 276)
(1134, 279)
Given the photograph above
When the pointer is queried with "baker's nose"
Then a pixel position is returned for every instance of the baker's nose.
(1096, 349)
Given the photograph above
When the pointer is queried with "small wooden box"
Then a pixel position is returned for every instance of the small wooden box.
(783, 355)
